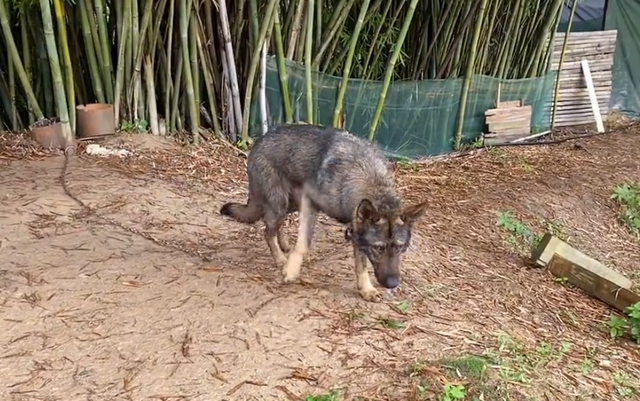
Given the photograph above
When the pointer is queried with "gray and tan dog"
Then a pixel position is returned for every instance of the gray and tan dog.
(311, 169)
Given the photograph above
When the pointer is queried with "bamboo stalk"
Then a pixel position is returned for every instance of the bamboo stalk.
(307, 61)
(135, 76)
(56, 73)
(103, 35)
(90, 54)
(66, 62)
(151, 96)
(391, 66)
(282, 70)
(170, 89)
(263, 87)
(191, 101)
(17, 62)
(195, 65)
(120, 70)
(177, 85)
(13, 112)
(209, 84)
(469, 75)
(556, 90)
(341, 17)
(253, 66)
(138, 38)
(26, 50)
(233, 76)
(337, 113)
(295, 30)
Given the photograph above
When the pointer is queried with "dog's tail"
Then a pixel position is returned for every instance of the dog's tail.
(248, 214)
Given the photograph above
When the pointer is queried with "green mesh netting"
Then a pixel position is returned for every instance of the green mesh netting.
(419, 118)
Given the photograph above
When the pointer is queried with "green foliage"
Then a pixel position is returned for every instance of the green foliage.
(135, 127)
(453, 392)
(628, 197)
(522, 237)
(631, 323)
(617, 326)
(520, 233)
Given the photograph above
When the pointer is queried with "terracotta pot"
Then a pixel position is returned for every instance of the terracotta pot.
(49, 136)
(95, 120)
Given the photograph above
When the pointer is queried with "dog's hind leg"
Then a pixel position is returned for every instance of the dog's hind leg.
(283, 241)
(272, 234)
(306, 219)
(311, 228)
(294, 202)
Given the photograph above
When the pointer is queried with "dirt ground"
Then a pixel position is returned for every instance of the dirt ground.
(193, 309)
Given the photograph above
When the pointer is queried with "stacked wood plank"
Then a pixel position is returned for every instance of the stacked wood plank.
(573, 105)
(507, 122)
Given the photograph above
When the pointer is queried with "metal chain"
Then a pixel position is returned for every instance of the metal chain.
(132, 230)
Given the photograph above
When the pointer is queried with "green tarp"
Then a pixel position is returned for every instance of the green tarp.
(625, 91)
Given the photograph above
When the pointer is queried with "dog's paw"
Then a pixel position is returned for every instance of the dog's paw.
(289, 278)
(370, 294)
(291, 269)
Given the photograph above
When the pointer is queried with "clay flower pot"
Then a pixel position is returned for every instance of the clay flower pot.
(48, 133)
(95, 120)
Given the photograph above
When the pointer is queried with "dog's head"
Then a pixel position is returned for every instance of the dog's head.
(384, 236)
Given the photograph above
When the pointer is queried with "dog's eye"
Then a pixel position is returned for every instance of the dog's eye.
(379, 247)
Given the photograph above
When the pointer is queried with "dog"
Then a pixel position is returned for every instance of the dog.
(311, 169)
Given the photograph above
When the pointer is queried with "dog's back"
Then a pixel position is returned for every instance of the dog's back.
(337, 169)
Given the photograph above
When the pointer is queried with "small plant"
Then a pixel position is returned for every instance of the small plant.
(422, 392)
(453, 392)
(623, 384)
(242, 145)
(469, 366)
(417, 368)
(617, 326)
(403, 306)
(477, 143)
(519, 232)
(628, 196)
(633, 312)
(631, 322)
(586, 367)
(521, 235)
(135, 127)
(392, 324)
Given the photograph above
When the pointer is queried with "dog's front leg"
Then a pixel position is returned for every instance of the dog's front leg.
(306, 216)
(366, 290)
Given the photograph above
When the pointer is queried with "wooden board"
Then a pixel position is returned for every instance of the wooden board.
(593, 283)
(584, 272)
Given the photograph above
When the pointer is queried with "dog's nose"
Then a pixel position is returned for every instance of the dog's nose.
(391, 282)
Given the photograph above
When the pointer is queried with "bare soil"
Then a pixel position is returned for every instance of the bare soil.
(148, 294)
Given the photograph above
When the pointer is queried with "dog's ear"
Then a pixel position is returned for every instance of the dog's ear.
(411, 214)
(366, 213)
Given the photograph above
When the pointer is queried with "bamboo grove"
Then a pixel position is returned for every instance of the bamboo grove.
(195, 65)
